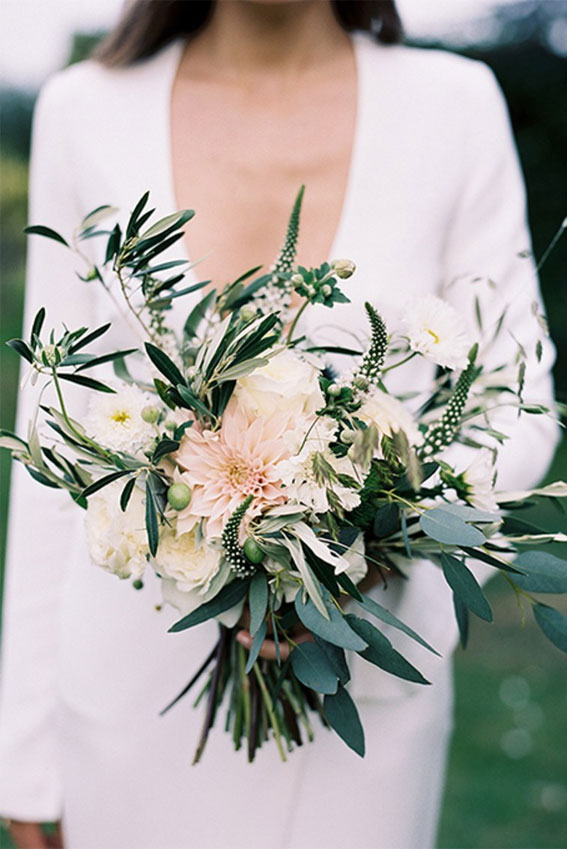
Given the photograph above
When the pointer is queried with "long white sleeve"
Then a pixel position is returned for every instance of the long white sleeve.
(42, 521)
(489, 228)
(488, 233)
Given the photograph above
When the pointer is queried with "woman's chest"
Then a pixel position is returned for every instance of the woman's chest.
(239, 158)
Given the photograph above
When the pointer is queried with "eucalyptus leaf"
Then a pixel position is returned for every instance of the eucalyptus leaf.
(543, 572)
(343, 717)
(312, 667)
(553, 624)
(381, 653)
(441, 525)
(388, 617)
(337, 658)
(462, 617)
(256, 646)
(257, 601)
(333, 629)
(465, 586)
(230, 595)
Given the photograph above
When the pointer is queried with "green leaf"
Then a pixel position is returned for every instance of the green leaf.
(37, 325)
(544, 573)
(256, 646)
(257, 601)
(192, 401)
(242, 369)
(464, 584)
(152, 526)
(102, 482)
(553, 624)
(22, 348)
(126, 494)
(106, 358)
(39, 230)
(343, 717)
(386, 520)
(386, 616)
(166, 446)
(471, 514)
(335, 629)
(462, 617)
(230, 595)
(445, 527)
(337, 658)
(90, 337)
(97, 215)
(381, 653)
(88, 382)
(164, 364)
(312, 667)
(198, 313)
(169, 223)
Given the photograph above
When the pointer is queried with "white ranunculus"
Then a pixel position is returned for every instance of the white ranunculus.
(436, 330)
(479, 482)
(117, 539)
(389, 415)
(287, 383)
(115, 421)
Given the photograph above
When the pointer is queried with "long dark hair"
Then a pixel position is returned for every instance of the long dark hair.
(147, 25)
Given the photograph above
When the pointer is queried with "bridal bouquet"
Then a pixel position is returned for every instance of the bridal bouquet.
(265, 490)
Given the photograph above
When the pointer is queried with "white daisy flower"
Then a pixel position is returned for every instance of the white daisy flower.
(436, 330)
(116, 422)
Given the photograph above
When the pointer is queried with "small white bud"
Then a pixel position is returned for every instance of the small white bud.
(327, 290)
(297, 279)
(343, 268)
(334, 390)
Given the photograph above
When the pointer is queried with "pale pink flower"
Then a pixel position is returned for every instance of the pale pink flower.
(224, 466)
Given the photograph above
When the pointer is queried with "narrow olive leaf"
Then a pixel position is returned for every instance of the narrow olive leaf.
(343, 717)
(464, 584)
(337, 658)
(197, 314)
(136, 212)
(164, 364)
(381, 653)
(40, 230)
(101, 482)
(107, 358)
(90, 337)
(36, 326)
(230, 595)
(97, 215)
(553, 624)
(126, 494)
(386, 616)
(88, 382)
(311, 666)
(445, 527)
(152, 526)
(257, 601)
(170, 222)
(166, 446)
(462, 617)
(335, 629)
(256, 646)
(543, 572)
(21, 348)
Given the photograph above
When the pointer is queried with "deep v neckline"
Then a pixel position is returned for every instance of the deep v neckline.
(170, 195)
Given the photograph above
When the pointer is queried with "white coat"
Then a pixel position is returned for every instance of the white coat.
(434, 196)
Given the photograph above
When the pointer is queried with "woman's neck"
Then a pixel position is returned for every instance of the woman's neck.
(247, 38)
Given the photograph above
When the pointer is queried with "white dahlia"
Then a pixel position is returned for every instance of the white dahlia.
(436, 330)
(115, 421)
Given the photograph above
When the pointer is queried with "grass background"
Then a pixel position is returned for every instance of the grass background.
(507, 780)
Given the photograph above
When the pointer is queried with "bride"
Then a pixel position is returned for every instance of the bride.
(227, 107)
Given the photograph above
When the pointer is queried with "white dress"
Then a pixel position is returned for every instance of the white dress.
(434, 193)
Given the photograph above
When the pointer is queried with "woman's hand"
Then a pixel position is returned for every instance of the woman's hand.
(268, 650)
(30, 835)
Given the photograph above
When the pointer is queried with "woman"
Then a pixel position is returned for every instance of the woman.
(410, 170)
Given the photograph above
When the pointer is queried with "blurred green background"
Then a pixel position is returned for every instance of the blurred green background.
(507, 781)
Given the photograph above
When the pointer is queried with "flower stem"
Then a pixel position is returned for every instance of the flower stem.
(298, 315)
(271, 713)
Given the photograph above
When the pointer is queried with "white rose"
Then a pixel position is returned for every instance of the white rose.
(287, 383)
(389, 415)
(192, 564)
(117, 540)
